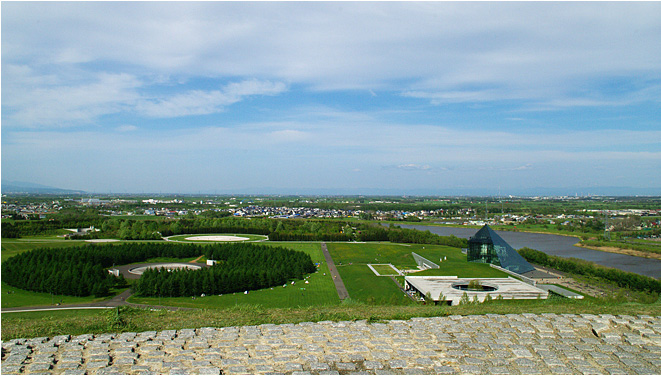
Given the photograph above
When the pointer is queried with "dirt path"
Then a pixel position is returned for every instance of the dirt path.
(196, 259)
(339, 284)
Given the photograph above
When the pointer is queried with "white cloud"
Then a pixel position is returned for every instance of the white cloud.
(33, 100)
(433, 47)
(199, 102)
(126, 128)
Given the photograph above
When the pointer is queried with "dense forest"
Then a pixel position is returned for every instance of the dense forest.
(621, 278)
(238, 268)
(81, 271)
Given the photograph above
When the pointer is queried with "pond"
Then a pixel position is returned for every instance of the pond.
(562, 246)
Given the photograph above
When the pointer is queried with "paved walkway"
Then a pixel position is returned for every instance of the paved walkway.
(337, 279)
(489, 344)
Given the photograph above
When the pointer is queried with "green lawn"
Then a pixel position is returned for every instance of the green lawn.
(14, 246)
(75, 322)
(14, 297)
(363, 253)
(319, 292)
(384, 269)
(452, 262)
(364, 286)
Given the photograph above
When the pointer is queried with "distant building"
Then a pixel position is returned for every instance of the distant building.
(486, 246)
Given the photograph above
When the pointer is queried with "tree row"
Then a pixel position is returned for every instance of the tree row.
(238, 268)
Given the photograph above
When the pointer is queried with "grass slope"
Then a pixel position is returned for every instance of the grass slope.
(28, 325)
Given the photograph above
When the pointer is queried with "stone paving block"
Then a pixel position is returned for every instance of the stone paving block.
(561, 370)
(96, 364)
(209, 370)
(173, 365)
(38, 367)
(444, 369)
(261, 369)
(345, 366)
(499, 370)
(644, 370)
(616, 371)
(11, 369)
(529, 370)
(470, 369)
(590, 371)
(316, 366)
(291, 367)
(179, 371)
(397, 364)
(67, 365)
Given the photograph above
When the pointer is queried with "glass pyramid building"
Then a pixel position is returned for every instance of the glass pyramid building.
(486, 246)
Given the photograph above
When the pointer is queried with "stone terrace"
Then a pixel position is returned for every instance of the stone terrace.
(484, 344)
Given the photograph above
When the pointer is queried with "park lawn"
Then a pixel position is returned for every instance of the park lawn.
(384, 269)
(374, 252)
(75, 322)
(15, 246)
(319, 292)
(364, 286)
(15, 297)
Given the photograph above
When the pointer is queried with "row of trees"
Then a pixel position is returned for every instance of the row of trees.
(276, 229)
(81, 271)
(238, 268)
(621, 278)
(400, 235)
(58, 271)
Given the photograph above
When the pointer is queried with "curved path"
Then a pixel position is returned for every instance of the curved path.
(335, 274)
(119, 300)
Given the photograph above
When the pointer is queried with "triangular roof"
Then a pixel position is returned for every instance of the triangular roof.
(508, 257)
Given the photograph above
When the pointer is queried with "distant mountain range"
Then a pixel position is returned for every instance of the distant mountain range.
(18, 187)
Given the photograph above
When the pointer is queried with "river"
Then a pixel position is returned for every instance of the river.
(562, 246)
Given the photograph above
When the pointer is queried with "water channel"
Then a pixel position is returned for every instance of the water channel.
(562, 246)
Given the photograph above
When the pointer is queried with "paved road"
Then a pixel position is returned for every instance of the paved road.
(489, 344)
(337, 279)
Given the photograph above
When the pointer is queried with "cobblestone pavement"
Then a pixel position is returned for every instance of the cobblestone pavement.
(484, 344)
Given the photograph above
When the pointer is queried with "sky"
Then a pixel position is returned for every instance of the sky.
(304, 97)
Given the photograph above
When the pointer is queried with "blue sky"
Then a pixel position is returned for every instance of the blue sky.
(287, 97)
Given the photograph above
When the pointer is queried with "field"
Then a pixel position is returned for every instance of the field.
(384, 269)
(14, 297)
(11, 247)
(371, 297)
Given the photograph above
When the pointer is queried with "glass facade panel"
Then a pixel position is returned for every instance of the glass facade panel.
(486, 246)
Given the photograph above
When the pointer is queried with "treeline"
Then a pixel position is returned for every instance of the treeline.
(58, 271)
(275, 229)
(621, 278)
(238, 268)
(81, 271)
(396, 234)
